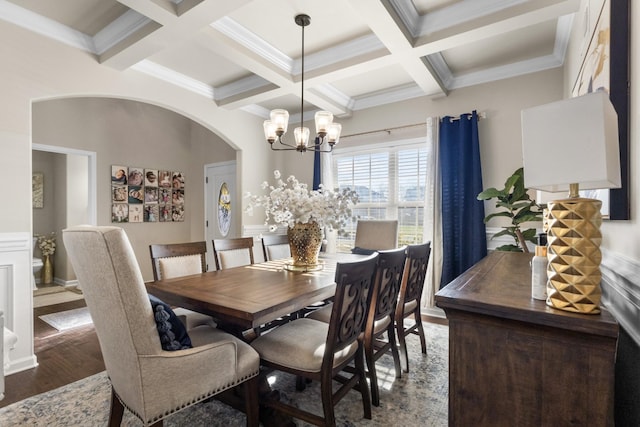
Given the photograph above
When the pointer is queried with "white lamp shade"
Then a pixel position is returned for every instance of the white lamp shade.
(323, 119)
(280, 119)
(269, 130)
(574, 141)
(301, 135)
(333, 133)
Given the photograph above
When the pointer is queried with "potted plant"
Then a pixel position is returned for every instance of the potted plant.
(515, 204)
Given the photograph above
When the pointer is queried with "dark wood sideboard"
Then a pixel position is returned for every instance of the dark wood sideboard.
(514, 361)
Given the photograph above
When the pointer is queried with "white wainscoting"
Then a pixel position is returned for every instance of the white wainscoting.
(16, 297)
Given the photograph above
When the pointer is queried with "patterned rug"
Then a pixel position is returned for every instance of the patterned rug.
(418, 398)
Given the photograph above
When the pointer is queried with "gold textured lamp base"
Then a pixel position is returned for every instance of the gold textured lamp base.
(574, 255)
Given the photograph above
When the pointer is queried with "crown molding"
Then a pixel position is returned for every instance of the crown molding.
(461, 12)
(387, 96)
(330, 92)
(341, 52)
(119, 29)
(253, 42)
(563, 35)
(239, 86)
(447, 17)
(175, 78)
(44, 26)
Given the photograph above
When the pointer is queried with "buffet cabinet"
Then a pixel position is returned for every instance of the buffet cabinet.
(514, 361)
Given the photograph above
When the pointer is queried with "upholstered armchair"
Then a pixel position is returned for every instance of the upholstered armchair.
(151, 382)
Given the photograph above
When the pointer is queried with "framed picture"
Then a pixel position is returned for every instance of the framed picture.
(119, 175)
(606, 67)
(37, 190)
(119, 212)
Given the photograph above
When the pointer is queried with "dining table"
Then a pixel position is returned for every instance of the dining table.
(244, 298)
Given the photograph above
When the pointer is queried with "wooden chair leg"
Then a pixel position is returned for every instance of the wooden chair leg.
(301, 383)
(364, 389)
(251, 401)
(371, 369)
(402, 346)
(326, 391)
(117, 410)
(423, 341)
(391, 335)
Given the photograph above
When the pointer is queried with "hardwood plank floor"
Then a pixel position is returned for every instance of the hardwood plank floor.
(63, 357)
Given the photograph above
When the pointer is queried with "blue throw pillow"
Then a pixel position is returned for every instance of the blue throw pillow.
(362, 251)
(173, 334)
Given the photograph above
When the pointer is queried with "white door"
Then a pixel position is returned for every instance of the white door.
(221, 205)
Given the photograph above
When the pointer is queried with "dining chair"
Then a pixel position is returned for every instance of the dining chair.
(413, 277)
(235, 252)
(380, 319)
(322, 351)
(375, 235)
(275, 246)
(181, 259)
(151, 382)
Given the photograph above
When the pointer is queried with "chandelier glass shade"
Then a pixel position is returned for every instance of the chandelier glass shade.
(327, 132)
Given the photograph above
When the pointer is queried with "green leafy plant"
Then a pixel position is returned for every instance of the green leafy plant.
(515, 204)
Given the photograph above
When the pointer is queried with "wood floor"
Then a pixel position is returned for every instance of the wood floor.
(63, 357)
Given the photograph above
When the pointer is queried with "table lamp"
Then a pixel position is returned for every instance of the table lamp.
(567, 146)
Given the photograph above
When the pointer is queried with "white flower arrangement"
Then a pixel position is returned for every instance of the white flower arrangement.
(290, 202)
(47, 244)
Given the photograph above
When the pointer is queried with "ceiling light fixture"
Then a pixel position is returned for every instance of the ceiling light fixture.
(326, 130)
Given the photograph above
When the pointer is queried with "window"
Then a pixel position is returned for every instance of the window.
(390, 184)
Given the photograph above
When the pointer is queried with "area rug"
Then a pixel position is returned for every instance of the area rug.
(420, 397)
(68, 319)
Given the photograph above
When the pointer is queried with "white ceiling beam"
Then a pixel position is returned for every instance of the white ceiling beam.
(162, 13)
(512, 19)
(174, 30)
(391, 32)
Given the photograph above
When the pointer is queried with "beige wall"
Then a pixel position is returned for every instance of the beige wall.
(132, 134)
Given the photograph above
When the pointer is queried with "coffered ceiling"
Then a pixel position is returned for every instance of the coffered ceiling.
(246, 54)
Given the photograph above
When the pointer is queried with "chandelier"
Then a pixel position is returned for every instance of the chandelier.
(326, 130)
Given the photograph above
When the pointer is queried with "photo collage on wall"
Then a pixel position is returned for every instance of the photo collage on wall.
(146, 195)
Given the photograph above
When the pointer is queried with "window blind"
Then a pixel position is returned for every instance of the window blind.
(390, 184)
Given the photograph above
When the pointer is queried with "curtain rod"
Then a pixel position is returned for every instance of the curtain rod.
(387, 130)
(481, 115)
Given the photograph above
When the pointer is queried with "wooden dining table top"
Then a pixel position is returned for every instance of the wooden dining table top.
(252, 295)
